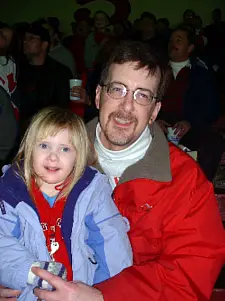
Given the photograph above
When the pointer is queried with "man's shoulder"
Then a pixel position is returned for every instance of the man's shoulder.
(186, 174)
(184, 168)
(200, 71)
(199, 65)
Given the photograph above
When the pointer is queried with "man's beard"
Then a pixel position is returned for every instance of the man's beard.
(116, 135)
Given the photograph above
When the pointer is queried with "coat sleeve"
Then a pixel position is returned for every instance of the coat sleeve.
(8, 123)
(203, 96)
(108, 237)
(191, 258)
(15, 259)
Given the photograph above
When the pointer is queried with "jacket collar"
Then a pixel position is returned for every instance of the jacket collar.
(156, 163)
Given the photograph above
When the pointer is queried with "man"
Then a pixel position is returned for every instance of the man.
(189, 17)
(175, 228)
(57, 51)
(148, 32)
(42, 81)
(7, 59)
(163, 29)
(8, 128)
(191, 103)
(215, 34)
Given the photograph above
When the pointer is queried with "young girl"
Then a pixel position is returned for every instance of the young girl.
(53, 207)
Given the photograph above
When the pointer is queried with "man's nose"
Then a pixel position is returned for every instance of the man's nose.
(128, 102)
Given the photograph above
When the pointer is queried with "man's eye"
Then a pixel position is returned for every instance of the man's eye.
(142, 95)
(116, 89)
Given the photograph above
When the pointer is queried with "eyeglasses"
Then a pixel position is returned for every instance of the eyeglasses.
(143, 97)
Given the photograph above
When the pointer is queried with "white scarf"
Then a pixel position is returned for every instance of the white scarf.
(177, 66)
(114, 163)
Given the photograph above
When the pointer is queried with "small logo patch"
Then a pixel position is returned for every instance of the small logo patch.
(2, 207)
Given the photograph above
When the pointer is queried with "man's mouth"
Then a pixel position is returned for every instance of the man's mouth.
(123, 121)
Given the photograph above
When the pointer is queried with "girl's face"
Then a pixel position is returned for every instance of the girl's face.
(100, 21)
(53, 160)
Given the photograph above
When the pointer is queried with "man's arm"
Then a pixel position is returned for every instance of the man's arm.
(192, 255)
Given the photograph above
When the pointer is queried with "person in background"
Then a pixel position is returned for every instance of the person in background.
(20, 29)
(122, 30)
(77, 44)
(215, 47)
(191, 103)
(8, 68)
(176, 231)
(8, 128)
(163, 29)
(148, 32)
(57, 51)
(9, 61)
(96, 38)
(201, 40)
(42, 81)
(136, 28)
(189, 17)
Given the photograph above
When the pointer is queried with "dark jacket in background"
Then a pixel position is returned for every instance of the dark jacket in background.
(42, 86)
(8, 127)
(201, 99)
(201, 102)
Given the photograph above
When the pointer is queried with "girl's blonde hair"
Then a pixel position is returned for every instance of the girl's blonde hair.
(48, 122)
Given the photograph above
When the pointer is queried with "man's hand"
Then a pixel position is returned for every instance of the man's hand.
(6, 293)
(66, 291)
(164, 125)
(81, 93)
(181, 128)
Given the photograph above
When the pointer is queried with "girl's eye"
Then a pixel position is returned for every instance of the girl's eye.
(65, 149)
(43, 145)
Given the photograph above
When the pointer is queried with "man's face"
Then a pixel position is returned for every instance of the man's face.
(179, 47)
(161, 27)
(6, 35)
(123, 120)
(32, 44)
(189, 18)
(147, 28)
(216, 16)
(83, 29)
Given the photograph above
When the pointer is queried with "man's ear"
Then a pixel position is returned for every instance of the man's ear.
(155, 112)
(191, 48)
(45, 45)
(98, 96)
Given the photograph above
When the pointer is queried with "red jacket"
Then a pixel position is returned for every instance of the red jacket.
(176, 231)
